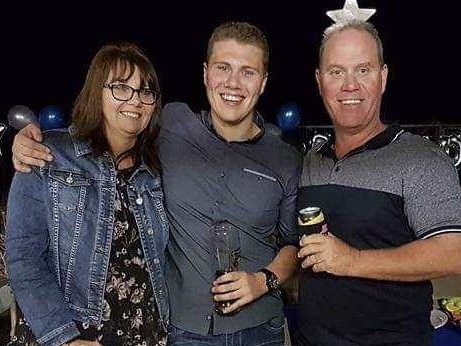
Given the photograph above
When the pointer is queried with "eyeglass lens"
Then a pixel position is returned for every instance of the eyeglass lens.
(124, 92)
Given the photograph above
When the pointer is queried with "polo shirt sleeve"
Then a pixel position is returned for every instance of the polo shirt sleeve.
(432, 193)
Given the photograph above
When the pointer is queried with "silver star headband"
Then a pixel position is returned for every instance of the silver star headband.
(351, 12)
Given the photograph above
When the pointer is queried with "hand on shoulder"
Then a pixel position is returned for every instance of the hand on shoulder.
(27, 149)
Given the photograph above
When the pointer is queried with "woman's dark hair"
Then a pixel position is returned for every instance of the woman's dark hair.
(87, 115)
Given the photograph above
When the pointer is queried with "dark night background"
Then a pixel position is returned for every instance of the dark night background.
(46, 50)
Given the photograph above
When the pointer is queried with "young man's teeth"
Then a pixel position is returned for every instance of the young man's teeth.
(230, 97)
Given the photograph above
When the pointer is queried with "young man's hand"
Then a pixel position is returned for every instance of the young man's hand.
(27, 149)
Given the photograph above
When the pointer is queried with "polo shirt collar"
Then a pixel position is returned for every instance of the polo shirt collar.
(391, 133)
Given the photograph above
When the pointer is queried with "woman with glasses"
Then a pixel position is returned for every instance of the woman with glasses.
(86, 233)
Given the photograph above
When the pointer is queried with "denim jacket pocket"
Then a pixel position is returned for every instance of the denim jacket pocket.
(68, 190)
(69, 178)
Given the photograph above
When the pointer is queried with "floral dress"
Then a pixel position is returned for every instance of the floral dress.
(130, 316)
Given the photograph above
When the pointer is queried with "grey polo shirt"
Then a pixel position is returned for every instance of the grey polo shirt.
(252, 184)
(395, 189)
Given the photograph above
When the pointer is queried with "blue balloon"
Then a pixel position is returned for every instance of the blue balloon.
(289, 117)
(51, 117)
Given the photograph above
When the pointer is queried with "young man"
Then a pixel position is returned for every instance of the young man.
(392, 201)
(222, 165)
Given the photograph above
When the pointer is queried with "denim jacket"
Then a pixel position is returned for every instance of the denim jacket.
(60, 220)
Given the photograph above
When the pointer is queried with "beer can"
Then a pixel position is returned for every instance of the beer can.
(311, 220)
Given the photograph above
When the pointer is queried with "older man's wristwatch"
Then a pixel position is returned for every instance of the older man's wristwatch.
(272, 281)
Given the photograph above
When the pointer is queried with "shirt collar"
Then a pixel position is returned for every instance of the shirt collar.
(257, 119)
(390, 134)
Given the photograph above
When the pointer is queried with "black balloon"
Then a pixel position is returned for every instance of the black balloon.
(19, 116)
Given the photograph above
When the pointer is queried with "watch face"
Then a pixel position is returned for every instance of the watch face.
(271, 280)
(274, 282)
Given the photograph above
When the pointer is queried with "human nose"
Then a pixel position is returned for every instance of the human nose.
(232, 79)
(350, 82)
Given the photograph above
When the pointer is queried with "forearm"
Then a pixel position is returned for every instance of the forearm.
(285, 263)
(419, 260)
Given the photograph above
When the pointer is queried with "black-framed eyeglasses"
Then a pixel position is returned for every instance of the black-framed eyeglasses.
(124, 92)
